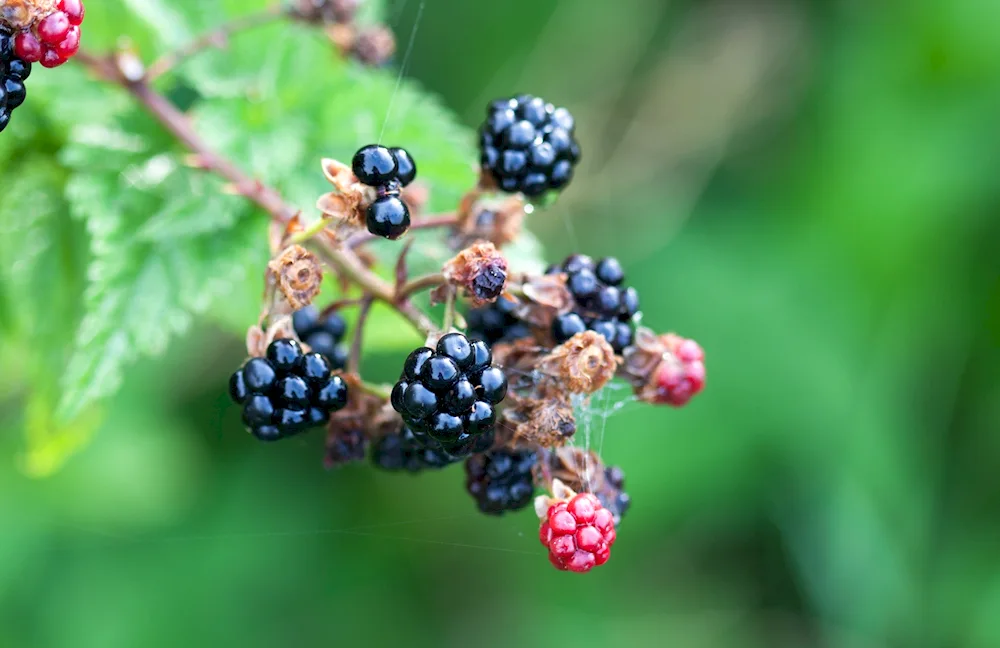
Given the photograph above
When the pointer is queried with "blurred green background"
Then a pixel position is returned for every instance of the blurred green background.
(809, 189)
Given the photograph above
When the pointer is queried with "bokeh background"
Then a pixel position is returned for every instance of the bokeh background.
(807, 188)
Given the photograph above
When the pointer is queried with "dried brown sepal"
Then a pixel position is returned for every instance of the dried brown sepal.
(580, 470)
(518, 359)
(416, 196)
(347, 203)
(643, 356)
(374, 45)
(497, 221)
(560, 493)
(480, 271)
(259, 338)
(545, 297)
(25, 14)
(547, 421)
(297, 274)
(582, 364)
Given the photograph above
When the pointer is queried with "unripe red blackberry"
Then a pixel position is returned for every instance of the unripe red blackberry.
(578, 533)
(527, 145)
(53, 39)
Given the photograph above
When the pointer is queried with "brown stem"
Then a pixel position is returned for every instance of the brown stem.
(347, 264)
(354, 359)
(420, 283)
(441, 220)
(216, 38)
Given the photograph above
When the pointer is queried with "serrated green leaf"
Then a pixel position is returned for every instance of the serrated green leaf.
(164, 240)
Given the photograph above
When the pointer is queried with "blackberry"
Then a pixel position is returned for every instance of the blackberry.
(287, 391)
(388, 217)
(323, 335)
(402, 451)
(501, 480)
(13, 72)
(496, 322)
(344, 446)
(374, 165)
(527, 145)
(56, 37)
(602, 304)
(447, 396)
(613, 495)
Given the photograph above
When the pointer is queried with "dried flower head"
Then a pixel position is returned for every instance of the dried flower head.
(548, 422)
(374, 45)
(297, 274)
(545, 296)
(348, 202)
(480, 270)
(25, 14)
(583, 364)
(497, 221)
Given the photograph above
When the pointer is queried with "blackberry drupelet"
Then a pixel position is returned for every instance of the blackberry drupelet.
(496, 322)
(501, 480)
(287, 391)
(323, 335)
(402, 451)
(527, 145)
(13, 72)
(602, 304)
(447, 396)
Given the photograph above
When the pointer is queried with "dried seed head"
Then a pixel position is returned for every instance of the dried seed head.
(545, 296)
(583, 364)
(297, 273)
(480, 270)
(25, 14)
(497, 221)
(374, 45)
(548, 422)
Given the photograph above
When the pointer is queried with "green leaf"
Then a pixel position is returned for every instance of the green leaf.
(165, 241)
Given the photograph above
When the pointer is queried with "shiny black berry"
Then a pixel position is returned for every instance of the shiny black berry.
(314, 367)
(406, 168)
(501, 480)
(322, 334)
(527, 145)
(601, 303)
(284, 354)
(402, 451)
(332, 396)
(447, 396)
(388, 217)
(374, 165)
(259, 375)
(238, 387)
(497, 322)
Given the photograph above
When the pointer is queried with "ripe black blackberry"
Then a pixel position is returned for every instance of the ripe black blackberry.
(602, 304)
(287, 391)
(501, 480)
(401, 451)
(322, 334)
(447, 395)
(388, 170)
(13, 72)
(496, 322)
(527, 145)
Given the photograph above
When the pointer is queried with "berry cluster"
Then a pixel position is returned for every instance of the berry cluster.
(447, 396)
(527, 145)
(402, 451)
(578, 533)
(55, 38)
(501, 480)
(13, 72)
(682, 374)
(388, 170)
(602, 305)
(287, 391)
(322, 335)
(496, 322)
